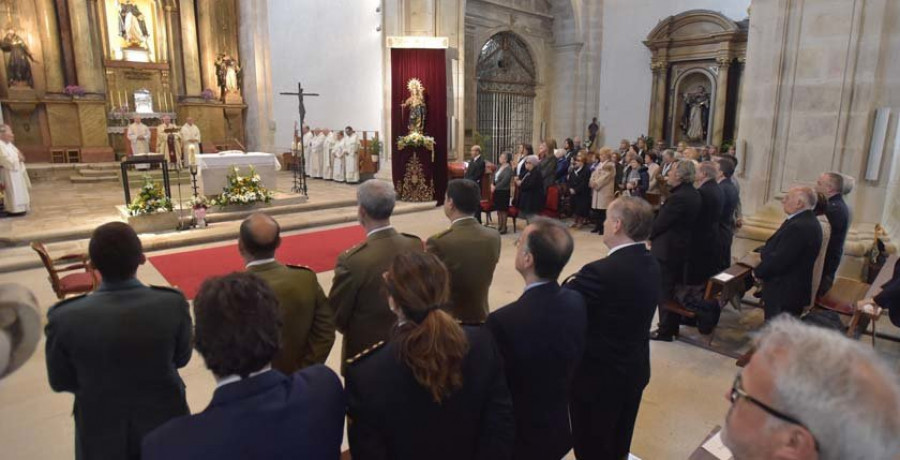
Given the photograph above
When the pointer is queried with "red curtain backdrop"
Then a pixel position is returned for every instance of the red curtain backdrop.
(429, 66)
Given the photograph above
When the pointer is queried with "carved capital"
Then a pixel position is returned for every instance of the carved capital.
(724, 61)
(659, 66)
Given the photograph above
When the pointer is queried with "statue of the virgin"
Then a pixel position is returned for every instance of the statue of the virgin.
(416, 104)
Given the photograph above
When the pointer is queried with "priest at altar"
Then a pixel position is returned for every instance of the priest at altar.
(138, 135)
(317, 154)
(13, 174)
(351, 156)
(328, 160)
(168, 142)
(190, 141)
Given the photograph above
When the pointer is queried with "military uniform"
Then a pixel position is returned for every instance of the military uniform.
(118, 350)
(307, 332)
(357, 291)
(470, 251)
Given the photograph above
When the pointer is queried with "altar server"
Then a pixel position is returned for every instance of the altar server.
(351, 150)
(190, 142)
(317, 157)
(307, 146)
(328, 160)
(338, 158)
(139, 135)
(13, 174)
(168, 141)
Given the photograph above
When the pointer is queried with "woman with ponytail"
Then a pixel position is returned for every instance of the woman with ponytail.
(435, 390)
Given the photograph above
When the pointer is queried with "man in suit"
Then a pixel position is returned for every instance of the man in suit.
(361, 309)
(256, 411)
(119, 350)
(541, 337)
(621, 292)
(469, 250)
(475, 173)
(787, 259)
(670, 241)
(307, 334)
(705, 254)
(831, 184)
(729, 210)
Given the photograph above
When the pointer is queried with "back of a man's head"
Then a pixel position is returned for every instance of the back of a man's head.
(636, 215)
(727, 166)
(845, 394)
(260, 236)
(465, 195)
(237, 324)
(551, 245)
(116, 251)
(376, 198)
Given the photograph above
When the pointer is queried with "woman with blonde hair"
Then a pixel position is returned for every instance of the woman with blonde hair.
(436, 390)
(603, 187)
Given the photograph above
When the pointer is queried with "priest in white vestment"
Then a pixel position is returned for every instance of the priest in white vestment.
(307, 147)
(138, 135)
(317, 155)
(351, 156)
(327, 163)
(337, 157)
(190, 142)
(13, 174)
(168, 141)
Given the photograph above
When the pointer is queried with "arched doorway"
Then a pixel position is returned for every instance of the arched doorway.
(506, 79)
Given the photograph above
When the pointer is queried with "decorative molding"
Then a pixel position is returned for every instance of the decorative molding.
(418, 42)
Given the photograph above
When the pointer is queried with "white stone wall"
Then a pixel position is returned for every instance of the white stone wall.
(332, 47)
(625, 77)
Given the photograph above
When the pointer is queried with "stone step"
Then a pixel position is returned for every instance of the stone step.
(93, 179)
(91, 172)
(132, 179)
(102, 166)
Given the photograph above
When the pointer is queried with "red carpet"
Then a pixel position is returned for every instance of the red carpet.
(317, 250)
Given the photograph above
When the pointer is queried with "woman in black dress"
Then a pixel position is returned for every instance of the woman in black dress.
(531, 189)
(580, 190)
(501, 188)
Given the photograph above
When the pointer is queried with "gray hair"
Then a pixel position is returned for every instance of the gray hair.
(685, 171)
(849, 183)
(708, 168)
(807, 195)
(377, 198)
(847, 396)
(636, 215)
(533, 159)
(669, 152)
(835, 181)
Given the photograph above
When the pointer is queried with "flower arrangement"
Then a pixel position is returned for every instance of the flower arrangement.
(151, 199)
(208, 95)
(243, 189)
(199, 202)
(74, 90)
(415, 140)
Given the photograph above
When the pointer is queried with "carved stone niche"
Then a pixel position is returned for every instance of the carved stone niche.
(693, 50)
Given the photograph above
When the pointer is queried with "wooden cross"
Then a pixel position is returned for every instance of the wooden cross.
(301, 108)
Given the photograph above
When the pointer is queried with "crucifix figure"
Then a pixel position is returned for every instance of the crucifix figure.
(300, 160)
(301, 108)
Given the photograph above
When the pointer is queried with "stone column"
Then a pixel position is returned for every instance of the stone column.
(174, 56)
(207, 44)
(88, 64)
(49, 30)
(721, 99)
(658, 98)
(253, 33)
(190, 49)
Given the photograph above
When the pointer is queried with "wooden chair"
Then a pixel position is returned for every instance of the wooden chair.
(81, 282)
(551, 206)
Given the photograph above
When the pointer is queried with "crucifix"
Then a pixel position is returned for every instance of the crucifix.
(300, 160)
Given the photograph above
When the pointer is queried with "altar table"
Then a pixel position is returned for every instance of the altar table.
(215, 167)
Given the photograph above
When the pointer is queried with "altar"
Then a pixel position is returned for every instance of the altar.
(214, 169)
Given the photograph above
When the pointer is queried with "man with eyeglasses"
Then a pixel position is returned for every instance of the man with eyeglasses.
(810, 393)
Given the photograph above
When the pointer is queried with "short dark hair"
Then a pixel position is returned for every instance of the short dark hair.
(727, 166)
(116, 251)
(253, 243)
(465, 195)
(551, 245)
(236, 324)
(636, 215)
(732, 158)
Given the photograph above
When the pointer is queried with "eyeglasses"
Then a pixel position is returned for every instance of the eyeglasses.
(738, 392)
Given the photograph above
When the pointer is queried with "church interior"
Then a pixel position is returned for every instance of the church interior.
(182, 118)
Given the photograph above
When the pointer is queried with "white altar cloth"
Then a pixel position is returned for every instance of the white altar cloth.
(215, 167)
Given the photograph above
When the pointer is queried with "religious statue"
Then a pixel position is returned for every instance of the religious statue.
(132, 27)
(18, 63)
(416, 104)
(229, 76)
(695, 119)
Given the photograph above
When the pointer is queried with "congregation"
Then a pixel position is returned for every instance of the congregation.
(429, 371)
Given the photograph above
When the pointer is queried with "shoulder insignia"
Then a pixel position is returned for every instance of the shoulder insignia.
(365, 352)
(442, 233)
(65, 302)
(167, 288)
(355, 249)
(410, 235)
(300, 267)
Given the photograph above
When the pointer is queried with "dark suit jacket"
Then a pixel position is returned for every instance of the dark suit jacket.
(357, 293)
(787, 260)
(548, 170)
(531, 193)
(470, 251)
(475, 171)
(118, 350)
(706, 252)
(727, 221)
(621, 292)
(889, 297)
(392, 416)
(269, 416)
(838, 215)
(541, 337)
(671, 234)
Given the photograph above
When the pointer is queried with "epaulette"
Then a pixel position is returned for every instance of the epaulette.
(300, 267)
(442, 233)
(354, 249)
(64, 302)
(167, 288)
(365, 352)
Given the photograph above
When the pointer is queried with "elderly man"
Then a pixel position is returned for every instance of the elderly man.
(307, 333)
(705, 255)
(728, 221)
(13, 175)
(168, 141)
(190, 142)
(541, 337)
(475, 173)
(831, 184)
(809, 393)
(787, 259)
(621, 291)
(357, 291)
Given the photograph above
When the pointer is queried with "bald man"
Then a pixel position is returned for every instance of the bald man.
(307, 332)
(787, 259)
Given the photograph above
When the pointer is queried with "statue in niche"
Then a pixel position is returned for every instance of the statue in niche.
(416, 104)
(695, 119)
(132, 26)
(18, 63)
(228, 74)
